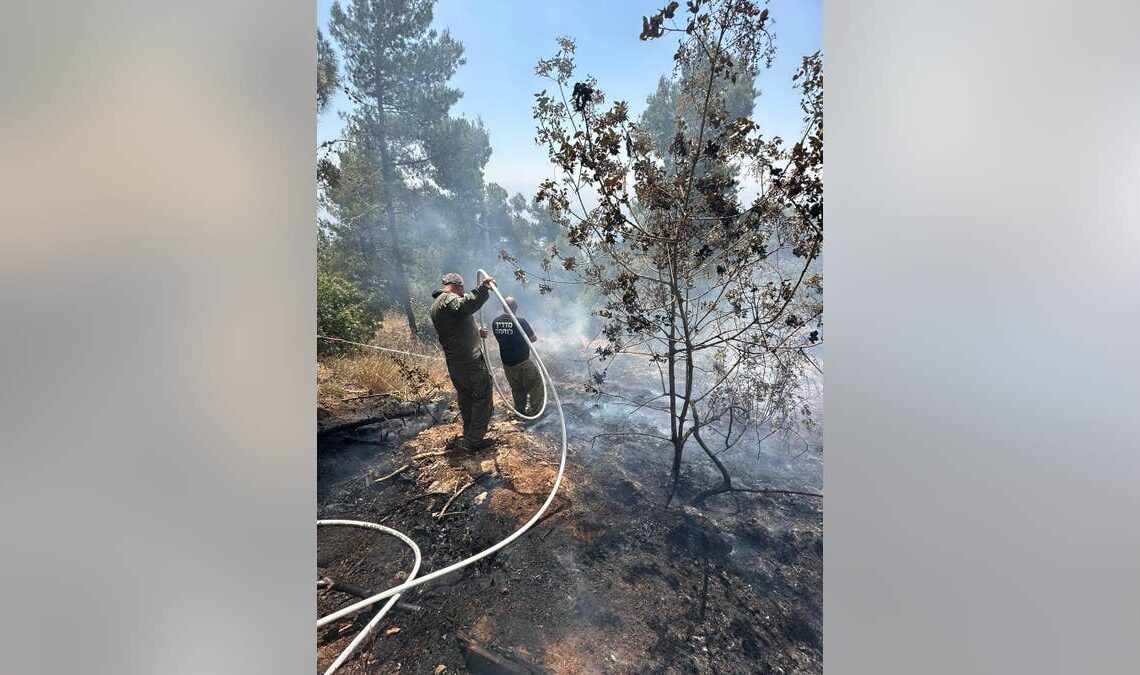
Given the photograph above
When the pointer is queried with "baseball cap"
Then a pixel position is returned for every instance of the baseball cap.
(452, 278)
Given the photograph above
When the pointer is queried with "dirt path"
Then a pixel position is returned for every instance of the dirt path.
(608, 582)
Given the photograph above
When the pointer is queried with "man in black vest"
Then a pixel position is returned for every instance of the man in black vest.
(514, 350)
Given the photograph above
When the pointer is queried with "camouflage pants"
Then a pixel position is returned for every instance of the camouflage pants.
(526, 382)
(473, 387)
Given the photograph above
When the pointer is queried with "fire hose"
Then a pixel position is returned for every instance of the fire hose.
(387, 606)
(393, 594)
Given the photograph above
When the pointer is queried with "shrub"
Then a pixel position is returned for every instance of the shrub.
(342, 311)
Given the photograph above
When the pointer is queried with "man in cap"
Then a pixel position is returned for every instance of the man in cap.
(452, 315)
(514, 350)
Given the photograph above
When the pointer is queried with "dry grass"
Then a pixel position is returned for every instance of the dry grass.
(331, 389)
(392, 332)
(378, 373)
(372, 372)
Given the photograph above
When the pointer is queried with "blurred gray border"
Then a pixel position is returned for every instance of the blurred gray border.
(982, 474)
(157, 399)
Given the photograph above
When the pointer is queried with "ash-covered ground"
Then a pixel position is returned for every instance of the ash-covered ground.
(609, 581)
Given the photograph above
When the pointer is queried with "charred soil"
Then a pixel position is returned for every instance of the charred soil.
(609, 581)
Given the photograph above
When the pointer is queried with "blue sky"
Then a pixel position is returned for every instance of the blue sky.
(504, 39)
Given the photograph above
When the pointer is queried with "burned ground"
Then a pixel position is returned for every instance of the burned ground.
(609, 581)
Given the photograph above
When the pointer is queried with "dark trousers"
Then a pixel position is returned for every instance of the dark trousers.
(473, 387)
(526, 382)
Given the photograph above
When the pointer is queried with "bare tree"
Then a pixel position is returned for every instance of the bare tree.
(723, 296)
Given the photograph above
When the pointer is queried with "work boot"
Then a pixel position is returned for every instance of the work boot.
(475, 446)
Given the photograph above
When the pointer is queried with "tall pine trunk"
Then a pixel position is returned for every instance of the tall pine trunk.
(400, 286)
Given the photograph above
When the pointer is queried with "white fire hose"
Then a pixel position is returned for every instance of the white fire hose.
(384, 610)
(393, 593)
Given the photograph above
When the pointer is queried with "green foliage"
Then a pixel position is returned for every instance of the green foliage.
(328, 74)
(342, 311)
(396, 71)
(459, 150)
(406, 176)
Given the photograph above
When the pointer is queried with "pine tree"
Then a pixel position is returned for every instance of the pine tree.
(396, 70)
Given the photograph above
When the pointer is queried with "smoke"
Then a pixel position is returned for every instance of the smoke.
(439, 239)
